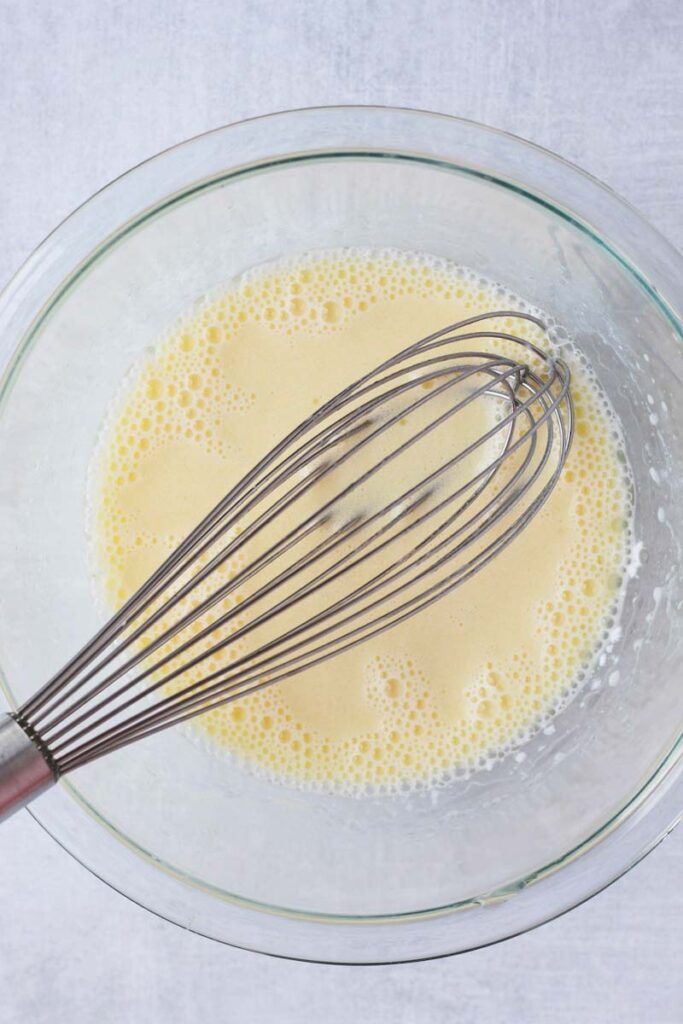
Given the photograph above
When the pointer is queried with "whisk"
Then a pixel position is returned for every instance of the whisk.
(358, 519)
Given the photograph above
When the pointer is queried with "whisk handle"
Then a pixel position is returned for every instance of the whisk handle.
(24, 769)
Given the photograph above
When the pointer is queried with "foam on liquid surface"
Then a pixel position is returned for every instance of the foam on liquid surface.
(446, 691)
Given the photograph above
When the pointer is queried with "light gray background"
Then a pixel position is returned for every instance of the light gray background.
(90, 87)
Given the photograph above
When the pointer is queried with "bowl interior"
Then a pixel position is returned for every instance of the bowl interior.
(214, 825)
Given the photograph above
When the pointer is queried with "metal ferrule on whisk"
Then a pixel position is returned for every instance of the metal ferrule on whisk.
(25, 771)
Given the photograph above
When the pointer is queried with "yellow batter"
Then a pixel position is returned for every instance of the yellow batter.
(451, 688)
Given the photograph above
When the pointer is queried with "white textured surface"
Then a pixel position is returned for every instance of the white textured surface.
(89, 88)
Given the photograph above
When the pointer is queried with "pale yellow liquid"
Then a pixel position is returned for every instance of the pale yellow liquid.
(449, 689)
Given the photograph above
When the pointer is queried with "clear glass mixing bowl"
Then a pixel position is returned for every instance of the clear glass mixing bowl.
(213, 848)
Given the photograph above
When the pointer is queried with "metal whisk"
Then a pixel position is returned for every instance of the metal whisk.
(390, 495)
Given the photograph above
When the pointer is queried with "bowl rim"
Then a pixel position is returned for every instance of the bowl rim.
(34, 264)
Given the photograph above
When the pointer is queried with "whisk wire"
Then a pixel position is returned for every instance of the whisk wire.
(89, 708)
(306, 560)
(200, 704)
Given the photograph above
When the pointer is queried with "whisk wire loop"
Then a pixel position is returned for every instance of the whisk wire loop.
(302, 560)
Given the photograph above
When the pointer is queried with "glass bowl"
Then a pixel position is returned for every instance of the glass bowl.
(213, 848)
